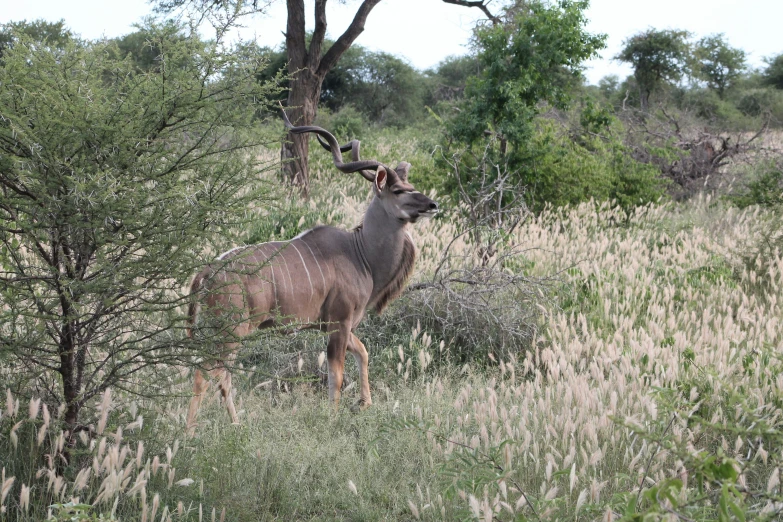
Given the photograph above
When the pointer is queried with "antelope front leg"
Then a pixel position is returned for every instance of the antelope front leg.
(356, 347)
(335, 356)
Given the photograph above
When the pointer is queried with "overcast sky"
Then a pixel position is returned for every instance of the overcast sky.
(426, 31)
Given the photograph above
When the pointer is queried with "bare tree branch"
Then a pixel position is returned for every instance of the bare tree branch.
(316, 43)
(347, 38)
(481, 4)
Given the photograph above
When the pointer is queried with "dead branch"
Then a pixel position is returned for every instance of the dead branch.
(481, 4)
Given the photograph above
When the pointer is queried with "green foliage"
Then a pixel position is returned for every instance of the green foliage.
(753, 102)
(657, 57)
(381, 87)
(609, 86)
(763, 102)
(564, 173)
(595, 118)
(707, 105)
(115, 185)
(385, 89)
(53, 35)
(567, 171)
(275, 69)
(717, 63)
(773, 74)
(524, 63)
(454, 71)
(347, 123)
(765, 189)
(569, 168)
(146, 46)
(446, 83)
(534, 58)
(286, 220)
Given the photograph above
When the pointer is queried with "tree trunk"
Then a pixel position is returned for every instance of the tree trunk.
(308, 67)
(301, 108)
(71, 375)
(644, 98)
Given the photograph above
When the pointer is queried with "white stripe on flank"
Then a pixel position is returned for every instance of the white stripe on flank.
(281, 254)
(328, 265)
(317, 263)
(274, 283)
(224, 254)
(306, 270)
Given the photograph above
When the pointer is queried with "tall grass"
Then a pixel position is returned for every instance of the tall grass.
(656, 350)
(663, 311)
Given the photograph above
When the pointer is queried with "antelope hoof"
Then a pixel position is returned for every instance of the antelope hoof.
(360, 406)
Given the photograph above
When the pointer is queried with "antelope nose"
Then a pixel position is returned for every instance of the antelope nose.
(434, 206)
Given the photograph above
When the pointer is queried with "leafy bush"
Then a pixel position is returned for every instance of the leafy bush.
(709, 106)
(135, 177)
(773, 74)
(530, 60)
(764, 189)
(565, 171)
(348, 123)
(762, 102)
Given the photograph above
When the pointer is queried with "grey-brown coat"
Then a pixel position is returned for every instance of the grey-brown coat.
(325, 278)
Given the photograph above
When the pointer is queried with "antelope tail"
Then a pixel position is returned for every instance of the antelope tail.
(195, 286)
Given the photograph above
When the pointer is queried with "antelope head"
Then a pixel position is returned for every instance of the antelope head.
(399, 198)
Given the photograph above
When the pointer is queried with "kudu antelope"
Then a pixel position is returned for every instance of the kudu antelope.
(324, 278)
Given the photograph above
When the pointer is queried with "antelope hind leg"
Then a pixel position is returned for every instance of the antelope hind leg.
(356, 347)
(200, 385)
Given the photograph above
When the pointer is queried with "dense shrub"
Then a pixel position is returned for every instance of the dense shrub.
(709, 106)
(346, 124)
(116, 184)
(762, 102)
(765, 188)
(567, 171)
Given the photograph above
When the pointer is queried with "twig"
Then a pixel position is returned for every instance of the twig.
(649, 462)
(476, 3)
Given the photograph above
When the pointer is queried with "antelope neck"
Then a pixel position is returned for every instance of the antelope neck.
(380, 242)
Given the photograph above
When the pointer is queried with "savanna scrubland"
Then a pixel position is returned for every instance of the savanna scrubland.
(592, 330)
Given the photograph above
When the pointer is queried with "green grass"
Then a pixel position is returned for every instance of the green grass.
(292, 460)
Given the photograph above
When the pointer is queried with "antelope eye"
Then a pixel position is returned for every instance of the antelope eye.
(398, 191)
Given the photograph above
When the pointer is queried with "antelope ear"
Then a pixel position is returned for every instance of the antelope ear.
(380, 179)
(402, 170)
